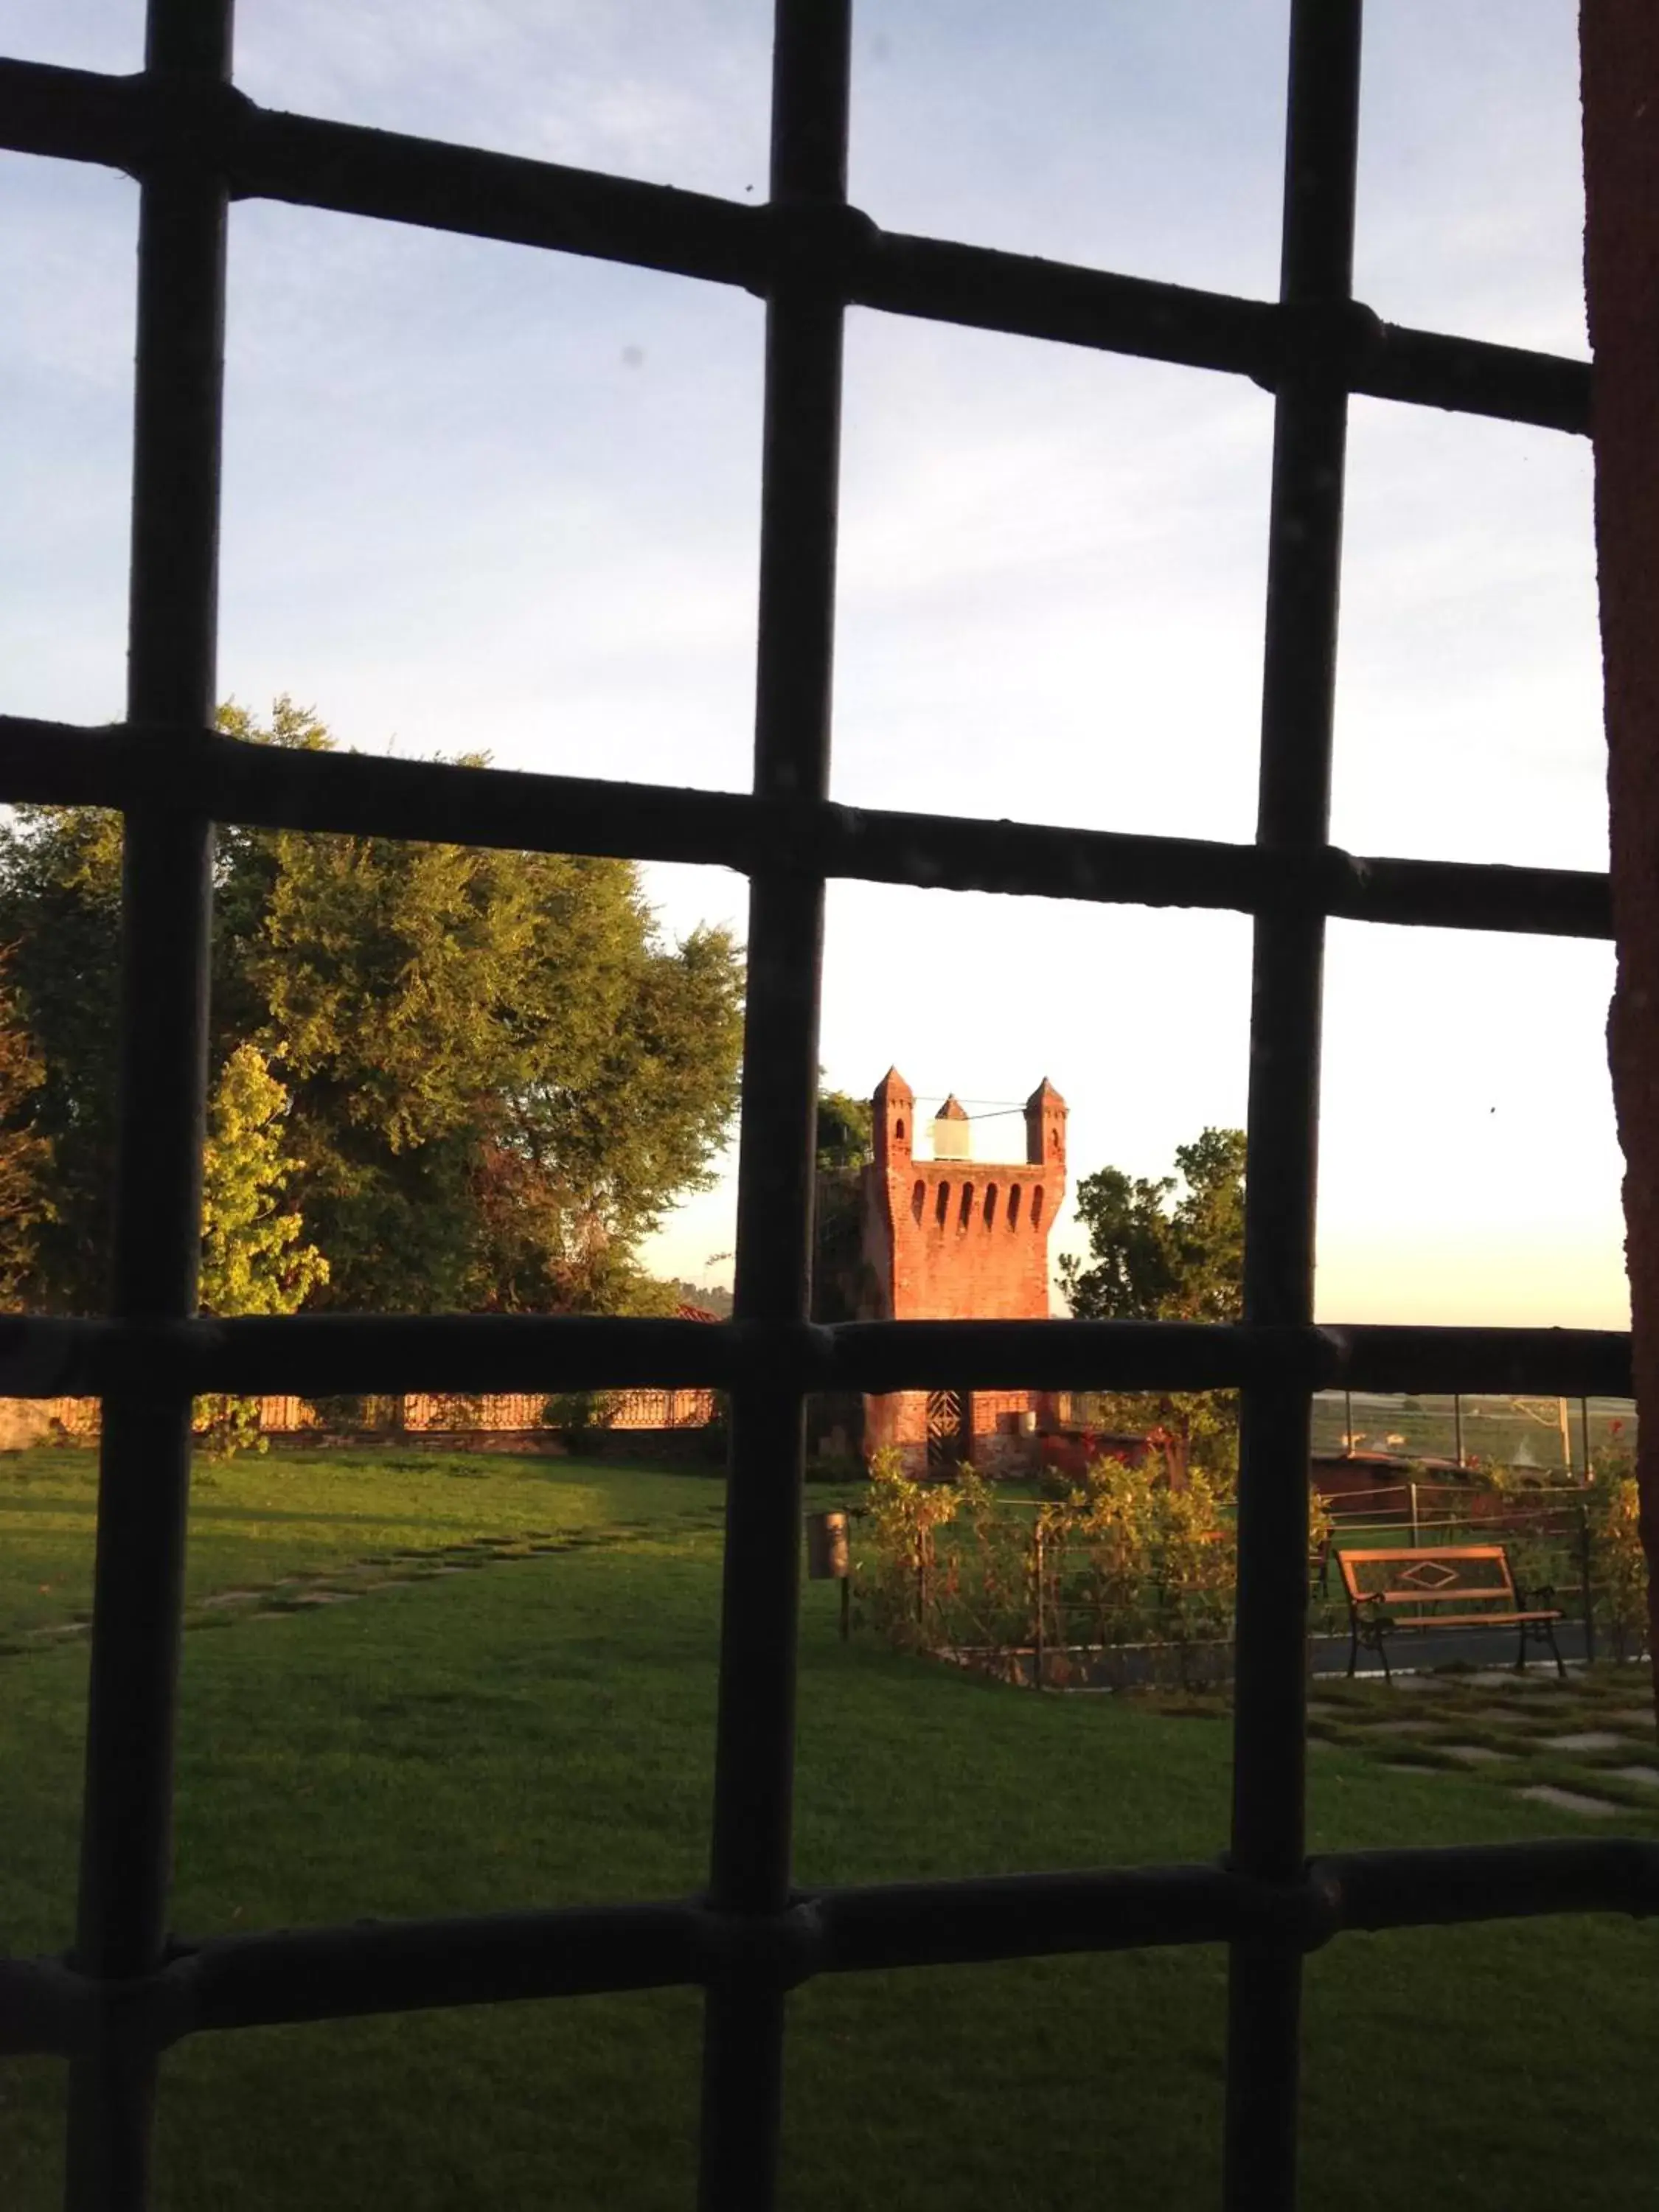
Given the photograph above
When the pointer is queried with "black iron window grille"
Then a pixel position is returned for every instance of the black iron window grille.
(130, 1989)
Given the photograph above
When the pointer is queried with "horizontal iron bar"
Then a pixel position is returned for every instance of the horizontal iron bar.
(132, 123)
(288, 1976)
(1444, 1887)
(319, 1355)
(359, 794)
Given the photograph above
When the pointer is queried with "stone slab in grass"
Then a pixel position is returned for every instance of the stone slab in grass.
(1584, 1740)
(1533, 1679)
(1647, 1776)
(1568, 1800)
(1474, 1754)
(1421, 1682)
(1387, 1728)
(1411, 1766)
(1634, 1716)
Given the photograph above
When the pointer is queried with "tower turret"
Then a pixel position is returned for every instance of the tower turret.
(893, 1122)
(1045, 1127)
(952, 1135)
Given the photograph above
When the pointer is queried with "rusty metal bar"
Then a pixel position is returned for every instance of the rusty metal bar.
(755, 1737)
(270, 1977)
(1304, 560)
(144, 1479)
(77, 115)
(357, 795)
(314, 1355)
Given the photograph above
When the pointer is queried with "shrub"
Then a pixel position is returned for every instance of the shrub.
(1621, 1566)
(1122, 1559)
(580, 1416)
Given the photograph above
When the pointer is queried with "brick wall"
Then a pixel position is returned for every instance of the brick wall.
(959, 1240)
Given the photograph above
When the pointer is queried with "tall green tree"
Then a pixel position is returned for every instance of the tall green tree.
(500, 1075)
(254, 1256)
(1169, 1248)
(25, 1158)
(846, 1130)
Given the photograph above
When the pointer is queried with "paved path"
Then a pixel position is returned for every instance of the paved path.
(1458, 1647)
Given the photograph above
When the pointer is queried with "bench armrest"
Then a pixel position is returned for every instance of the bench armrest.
(1371, 1608)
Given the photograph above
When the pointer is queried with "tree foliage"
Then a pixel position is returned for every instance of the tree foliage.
(845, 1139)
(1168, 1248)
(500, 1076)
(254, 1258)
(25, 1158)
(845, 1132)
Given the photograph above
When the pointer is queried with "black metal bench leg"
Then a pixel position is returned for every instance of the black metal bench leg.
(1353, 1648)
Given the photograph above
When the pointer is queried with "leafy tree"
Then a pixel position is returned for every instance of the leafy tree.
(845, 1144)
(1170, 1249)
(25, 1158)
(254, 1258)
(500, 1076)
(846, 1130)
(60, 914)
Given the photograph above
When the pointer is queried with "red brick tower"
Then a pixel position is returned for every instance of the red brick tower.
(949, 1238)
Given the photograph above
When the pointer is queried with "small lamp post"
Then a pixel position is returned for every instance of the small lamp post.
(828, 1559)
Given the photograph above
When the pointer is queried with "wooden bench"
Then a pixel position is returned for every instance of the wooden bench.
(1442, 1584)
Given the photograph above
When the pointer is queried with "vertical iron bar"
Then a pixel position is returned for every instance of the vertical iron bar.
(126, 1842)
(1038, 1652)
(1298, 687)
(1587, 1589)
(1457, 1427)
(753, 1758)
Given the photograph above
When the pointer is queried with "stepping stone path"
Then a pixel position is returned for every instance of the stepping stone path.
(1569, 1801)
(1474, 1754)
(1585, 1740)
(1647, 1776)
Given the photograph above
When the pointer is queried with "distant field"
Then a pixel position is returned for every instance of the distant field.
(538, 1729)
(1497, 1431)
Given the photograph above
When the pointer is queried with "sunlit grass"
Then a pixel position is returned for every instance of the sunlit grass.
(540, 1731)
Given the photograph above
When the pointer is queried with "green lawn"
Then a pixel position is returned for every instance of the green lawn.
(539, 1730)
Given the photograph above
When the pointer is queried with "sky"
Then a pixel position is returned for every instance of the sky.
(480, 498)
